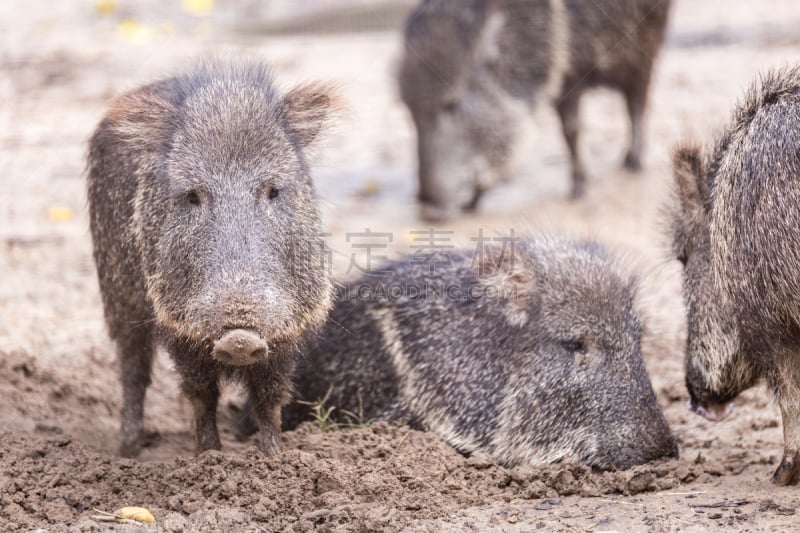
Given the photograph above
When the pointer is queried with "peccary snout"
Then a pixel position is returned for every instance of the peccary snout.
(240, 347)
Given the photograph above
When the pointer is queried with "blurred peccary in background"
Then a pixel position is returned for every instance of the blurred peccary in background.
(735, 230)
(206, 236)
(528, 353)
(468, 66)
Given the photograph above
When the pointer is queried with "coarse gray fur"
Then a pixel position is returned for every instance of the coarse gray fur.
(470, 65)
(735, 227)
(530, 354)
(205, 230)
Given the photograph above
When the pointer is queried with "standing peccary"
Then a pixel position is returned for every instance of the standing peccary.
(468, 65)
(205, 230)
(530, 355)
(736, 232)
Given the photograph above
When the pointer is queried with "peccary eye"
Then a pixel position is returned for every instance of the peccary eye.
(273, 193)
(683, 257)
(573, 346)
(193, 198)
(450, 106)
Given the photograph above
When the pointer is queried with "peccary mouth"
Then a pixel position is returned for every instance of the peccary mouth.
(240, 347)
(711, 411)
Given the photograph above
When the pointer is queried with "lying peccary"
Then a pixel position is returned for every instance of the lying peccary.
(530, 356)
(468, 65)
(736, 233)
(205, 230)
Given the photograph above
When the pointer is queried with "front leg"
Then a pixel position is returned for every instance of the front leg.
(199, 383)
(135, 353)
(788, 472)
(636, 100)
(567, 108)
(269, 388)
(204, 396)
(787, 382)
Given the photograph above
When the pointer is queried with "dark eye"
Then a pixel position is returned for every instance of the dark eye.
(193, 198)
(683, 257)
(273, 193)
(573, 346)
(450, 106)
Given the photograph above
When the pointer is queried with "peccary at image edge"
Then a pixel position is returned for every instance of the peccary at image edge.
(472, 68)
(206, 237)
(531, 356)
(735, 228)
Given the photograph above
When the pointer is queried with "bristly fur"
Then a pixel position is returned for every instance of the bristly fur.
(741, 284)
(531, 357)
(472, 68)
(204, 220)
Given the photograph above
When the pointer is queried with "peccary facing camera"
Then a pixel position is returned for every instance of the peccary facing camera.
(530, 355)
(468, 65)
(735, 230)
(205, 231)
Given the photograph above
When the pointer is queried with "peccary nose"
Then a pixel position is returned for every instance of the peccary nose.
(239, 347)
(711, 411)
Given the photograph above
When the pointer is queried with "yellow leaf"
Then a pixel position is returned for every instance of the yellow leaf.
(371, 188)
(198, 8)
(139, 514)
(60, 213)
(105, 7)
(131, 30)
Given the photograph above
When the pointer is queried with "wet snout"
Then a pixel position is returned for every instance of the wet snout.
(240, 347)
(711, 411)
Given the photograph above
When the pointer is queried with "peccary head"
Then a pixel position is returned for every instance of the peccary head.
(717, 367)
(577, 386)
(225, 211)
(465, 121)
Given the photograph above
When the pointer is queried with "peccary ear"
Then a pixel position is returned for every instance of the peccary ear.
(508, 275)
(308, 109)
(687, 167)
(142, 117)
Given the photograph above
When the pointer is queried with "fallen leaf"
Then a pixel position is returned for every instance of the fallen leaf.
(105, 7)
(60, 213)
(139, 514)
(133, 31)
(198, 8)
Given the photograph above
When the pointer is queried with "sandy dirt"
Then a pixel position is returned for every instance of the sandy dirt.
(60, 63)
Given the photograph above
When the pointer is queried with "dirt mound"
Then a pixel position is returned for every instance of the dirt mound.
(377, 477)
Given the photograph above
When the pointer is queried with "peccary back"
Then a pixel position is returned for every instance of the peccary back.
(735, 229)
(470, 66)
(530, 356)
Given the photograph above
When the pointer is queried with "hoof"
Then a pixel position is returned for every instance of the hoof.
(632, 162)
(788, 472)
(578, 191)
(130, 450)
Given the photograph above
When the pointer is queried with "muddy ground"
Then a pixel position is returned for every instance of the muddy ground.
(60, 62)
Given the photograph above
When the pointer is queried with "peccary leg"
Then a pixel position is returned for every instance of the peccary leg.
(135, 352)
(567, 109)
(199, 384)
(245, 425)
(788, 472)
(204, 398)
(635, 99)
(268, 392)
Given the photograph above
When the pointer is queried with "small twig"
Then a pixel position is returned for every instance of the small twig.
(723, 504)
(614, 501)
